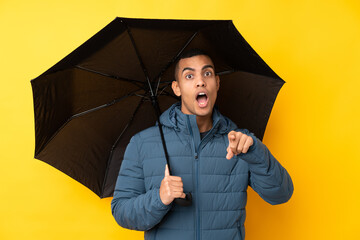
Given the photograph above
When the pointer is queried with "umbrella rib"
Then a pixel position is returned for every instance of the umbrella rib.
(115, 144)
(163, 89)
(169, 94)
(157, 87)
(135, 82)
(86, 112)
(105, 105)
(175, 57)
(167, 82)
(139, 57)
(225, 72)
(142, 96)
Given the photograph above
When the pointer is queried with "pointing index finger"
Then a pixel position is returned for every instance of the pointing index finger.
(231, 136)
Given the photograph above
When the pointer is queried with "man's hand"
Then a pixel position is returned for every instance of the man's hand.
(171, 187)
(238, 143)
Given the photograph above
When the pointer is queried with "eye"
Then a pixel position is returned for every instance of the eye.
(207, 74)
(189, 76)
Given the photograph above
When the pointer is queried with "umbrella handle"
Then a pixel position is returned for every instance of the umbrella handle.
(185, 202)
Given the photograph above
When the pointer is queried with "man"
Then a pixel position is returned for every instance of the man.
(210, 158)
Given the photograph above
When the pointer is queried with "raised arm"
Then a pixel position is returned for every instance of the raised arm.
(267, 177)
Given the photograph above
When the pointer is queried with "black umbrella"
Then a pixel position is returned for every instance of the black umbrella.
(88, 105)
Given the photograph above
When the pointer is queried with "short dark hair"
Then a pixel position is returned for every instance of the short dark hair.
(188, 54)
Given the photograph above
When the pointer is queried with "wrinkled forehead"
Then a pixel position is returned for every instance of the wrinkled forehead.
(195, 62)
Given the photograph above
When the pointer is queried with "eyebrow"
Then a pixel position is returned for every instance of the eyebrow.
(208, 66)
(188, 68)
(204, 67)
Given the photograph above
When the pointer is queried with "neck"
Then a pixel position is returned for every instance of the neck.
(204, 123)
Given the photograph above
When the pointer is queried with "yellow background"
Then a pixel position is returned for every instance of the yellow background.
(313, 130)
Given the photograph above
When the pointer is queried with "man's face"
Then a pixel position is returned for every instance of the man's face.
(197, 85)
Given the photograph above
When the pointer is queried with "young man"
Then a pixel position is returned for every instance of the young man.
(210, 158)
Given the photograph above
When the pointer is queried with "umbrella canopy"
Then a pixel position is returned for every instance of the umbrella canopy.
(89, 105)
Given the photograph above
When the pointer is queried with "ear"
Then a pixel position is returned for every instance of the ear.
(217, 82)
(176, 89)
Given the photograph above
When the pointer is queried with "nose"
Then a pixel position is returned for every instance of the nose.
(200, 82)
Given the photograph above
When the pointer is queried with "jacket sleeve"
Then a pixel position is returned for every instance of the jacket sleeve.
(267, 177)
(132, 206)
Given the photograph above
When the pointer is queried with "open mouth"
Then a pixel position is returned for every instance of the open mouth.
(202, 99)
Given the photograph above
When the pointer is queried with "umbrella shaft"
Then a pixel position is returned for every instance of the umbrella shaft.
(155, 104)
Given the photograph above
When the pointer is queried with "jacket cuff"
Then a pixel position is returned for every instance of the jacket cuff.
(158, 203)
(252, 156)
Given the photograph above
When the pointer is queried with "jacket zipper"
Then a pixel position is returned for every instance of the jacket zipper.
(197, 163)
(197, 194)
(196, 157)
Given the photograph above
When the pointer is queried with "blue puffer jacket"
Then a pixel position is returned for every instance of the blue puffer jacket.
(218, 185)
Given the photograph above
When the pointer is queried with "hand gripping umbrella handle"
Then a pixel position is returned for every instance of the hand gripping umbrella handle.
(185, 202)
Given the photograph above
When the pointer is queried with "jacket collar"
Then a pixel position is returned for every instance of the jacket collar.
(174, 118)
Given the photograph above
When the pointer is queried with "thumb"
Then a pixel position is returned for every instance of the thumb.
(167, 172)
